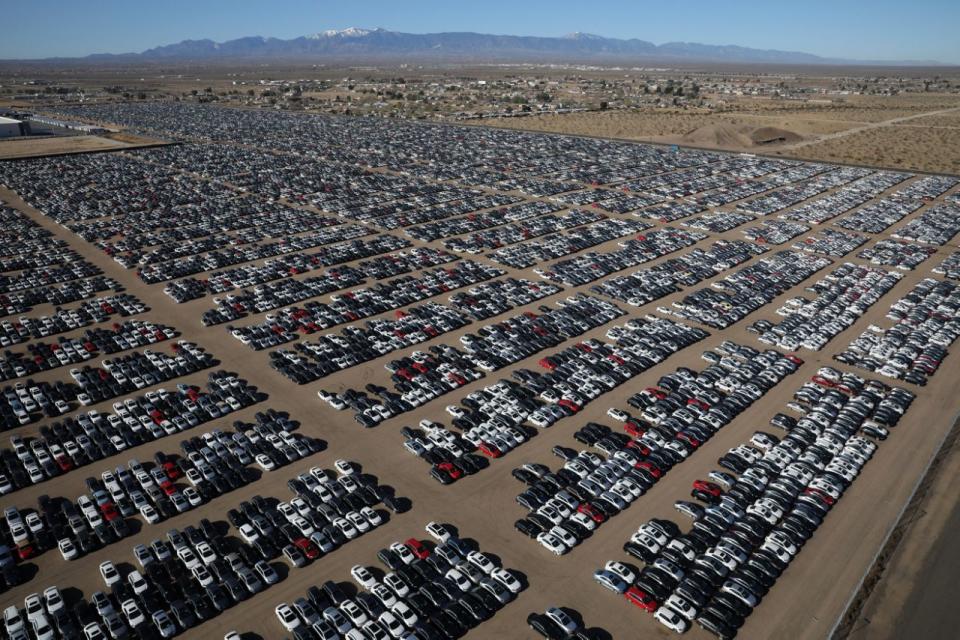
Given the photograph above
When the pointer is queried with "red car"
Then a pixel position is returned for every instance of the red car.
(639, 447)
(640, 598)
(26, 551)
(653, 469)
(309, 549)
(453, 471)
(109, 511)
(569, 404)
(64, 463)
(689, 439)
(417, 548)
(168, 487)
(707, 487)
(171, 470)
(634, 429)
(794, 359)
(489, 450)
(821, 495)
(823, 382)
(656, 393)
(592, 513)
(546, 363)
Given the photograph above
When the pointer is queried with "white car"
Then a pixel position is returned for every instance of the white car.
(265, 463)
(248, 533)
(439, 532)
(137, 582)
(481, 561)
(621, 570)
(345, 467)
(109, 573)
(287, 617)
(12, 620)
(618, 414)
(671, 619)
(68, 549)
(363, 576)
(507, 579)
(552, 544)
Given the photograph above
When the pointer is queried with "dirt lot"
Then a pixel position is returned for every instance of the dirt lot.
(903, 147)
(805, 603)
(879, 131)
(33, 147)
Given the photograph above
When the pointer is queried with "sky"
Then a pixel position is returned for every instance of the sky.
(860, 29)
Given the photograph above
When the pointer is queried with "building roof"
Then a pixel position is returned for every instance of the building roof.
(4, 120)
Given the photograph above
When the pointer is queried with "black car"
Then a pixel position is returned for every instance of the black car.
(712, 623)
(334, 592)
(527, 528)
(545, 626)
(185, 616)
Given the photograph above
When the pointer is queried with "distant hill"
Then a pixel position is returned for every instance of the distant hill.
(356, 43)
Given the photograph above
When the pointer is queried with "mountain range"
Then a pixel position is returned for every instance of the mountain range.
(359, 44)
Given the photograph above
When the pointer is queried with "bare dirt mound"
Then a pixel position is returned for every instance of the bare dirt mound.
(742, 136)
(774, 135)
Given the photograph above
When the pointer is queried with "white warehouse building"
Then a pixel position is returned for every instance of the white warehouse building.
(10, 128)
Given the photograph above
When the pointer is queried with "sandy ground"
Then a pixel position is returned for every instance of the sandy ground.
(32, 147)
(923, 565)
(902, 132)
(902, 147)
(805, 603)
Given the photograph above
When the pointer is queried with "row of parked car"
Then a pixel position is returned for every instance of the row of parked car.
(649, 284)
(743, 292)
(56, 295)
(879, 216)
(131, 372)
(718, 221)
(25, 328)
(311, 360)
(842, 297)
(42, 356)
(208, 254)
(897, 253)
(417, 379)
(846, 198)
(86, 437)
(437, 590)
(45, 276)
(497, 345)
(499, 296)
(749, 523)
(937, 224)
(329, 508)
(927, 321)
(532, 252)
(950, 267)
(798, 188)
(674, 419)
(647, 246)
(773, 231)
(351, 305)
(496, 237)
(473, 222)
(831, 242)
(27, 401)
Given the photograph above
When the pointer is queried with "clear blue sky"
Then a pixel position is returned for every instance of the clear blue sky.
(865, 29)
